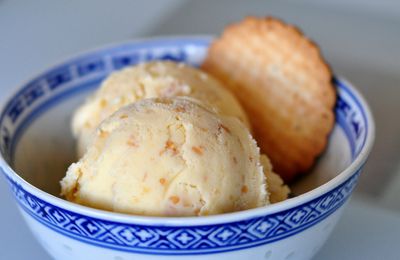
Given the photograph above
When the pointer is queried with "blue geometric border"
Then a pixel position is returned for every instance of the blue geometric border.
(176, 240)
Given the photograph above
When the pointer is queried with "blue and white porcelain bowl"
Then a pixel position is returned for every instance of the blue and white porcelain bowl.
(37, 147)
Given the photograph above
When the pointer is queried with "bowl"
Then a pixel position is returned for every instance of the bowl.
(36, 148)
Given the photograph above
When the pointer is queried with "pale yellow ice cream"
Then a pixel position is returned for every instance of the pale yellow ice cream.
(150, 80)
(277, 189)
(169, 157)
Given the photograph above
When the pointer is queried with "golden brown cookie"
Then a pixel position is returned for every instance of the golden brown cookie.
(284, 85)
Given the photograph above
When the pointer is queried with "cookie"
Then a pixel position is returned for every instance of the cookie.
(283, 83)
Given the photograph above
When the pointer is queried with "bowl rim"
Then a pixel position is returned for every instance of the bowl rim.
(344, 175)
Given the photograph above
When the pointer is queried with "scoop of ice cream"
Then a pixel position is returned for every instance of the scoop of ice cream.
(151, 80)
(277, 189)
(168, 157)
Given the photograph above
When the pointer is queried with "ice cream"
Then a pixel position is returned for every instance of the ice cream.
(150, 80)
(276, 188)
(169, 157)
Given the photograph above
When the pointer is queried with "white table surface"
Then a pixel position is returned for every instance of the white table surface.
(359, 38)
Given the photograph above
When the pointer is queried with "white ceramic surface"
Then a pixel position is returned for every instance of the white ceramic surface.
(35, 139)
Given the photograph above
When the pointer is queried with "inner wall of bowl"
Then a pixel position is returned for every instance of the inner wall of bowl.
(38, 143)
(47, 148)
